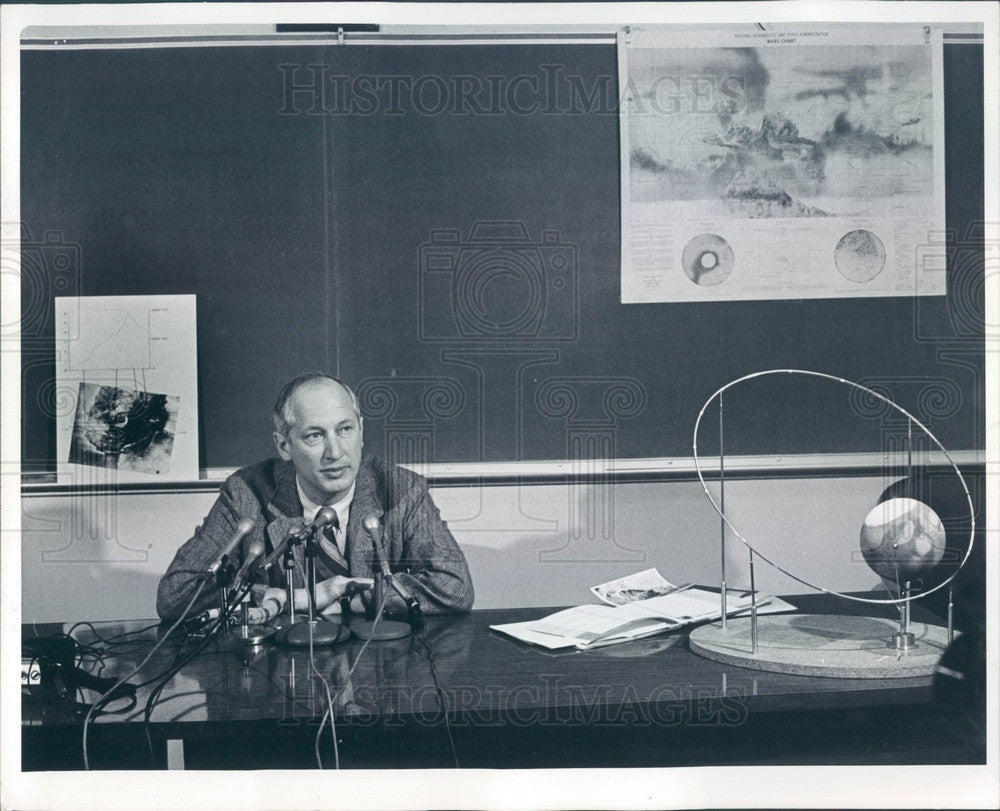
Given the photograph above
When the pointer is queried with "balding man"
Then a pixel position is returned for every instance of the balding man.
(318, 434)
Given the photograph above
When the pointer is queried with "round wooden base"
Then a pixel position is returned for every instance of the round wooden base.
(823, 645)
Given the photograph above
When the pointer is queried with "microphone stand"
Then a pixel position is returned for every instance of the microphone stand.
(223, 577)
(229, 583)
(383, 629)
(383, 580)
(297, 634)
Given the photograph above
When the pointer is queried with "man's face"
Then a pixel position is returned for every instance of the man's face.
(323, 440)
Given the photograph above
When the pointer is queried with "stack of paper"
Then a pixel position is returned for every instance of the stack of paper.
(625, 617)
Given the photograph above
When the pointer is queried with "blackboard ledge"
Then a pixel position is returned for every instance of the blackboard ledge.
(466, 474)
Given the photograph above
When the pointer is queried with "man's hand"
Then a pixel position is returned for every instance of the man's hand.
(329, 591)
(328, 594)
(272, 602)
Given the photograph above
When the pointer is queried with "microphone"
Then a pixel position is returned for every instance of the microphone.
(279, 550)
(243, 528)
(326, 515)
(373, 526)
(254, 551)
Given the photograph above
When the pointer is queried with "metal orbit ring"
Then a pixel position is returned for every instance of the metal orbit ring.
(901, 410)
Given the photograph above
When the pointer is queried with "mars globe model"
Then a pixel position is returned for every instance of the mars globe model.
(902, 539)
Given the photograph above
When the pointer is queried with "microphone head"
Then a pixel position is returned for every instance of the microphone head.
(243, 528)
(372, 522)
(326, 515)
(255, 549)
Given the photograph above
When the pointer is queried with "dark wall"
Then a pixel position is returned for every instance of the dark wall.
(324, 232)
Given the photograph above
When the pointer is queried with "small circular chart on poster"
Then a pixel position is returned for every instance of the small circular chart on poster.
(707, 260)
(859, 256)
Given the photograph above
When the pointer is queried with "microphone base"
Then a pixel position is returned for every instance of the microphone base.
(380, 631)
(254, 635)
(324, 633)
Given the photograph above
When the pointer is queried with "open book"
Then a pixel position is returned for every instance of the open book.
(592, 626)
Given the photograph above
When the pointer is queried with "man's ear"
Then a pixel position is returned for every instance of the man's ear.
(281, 443)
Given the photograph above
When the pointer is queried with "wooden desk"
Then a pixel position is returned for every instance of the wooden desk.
(646, 703)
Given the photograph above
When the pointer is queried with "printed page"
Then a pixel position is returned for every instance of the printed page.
(638, 586)
(588, 622)
(521, 631)
(689, 605)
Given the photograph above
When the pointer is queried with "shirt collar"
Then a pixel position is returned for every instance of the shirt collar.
(310, 508)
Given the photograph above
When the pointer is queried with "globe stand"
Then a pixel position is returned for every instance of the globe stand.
(835, 645)
(903, 639)
(723, 588)
(951, 614)
(828, 645)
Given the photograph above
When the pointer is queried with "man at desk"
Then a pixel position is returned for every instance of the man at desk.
(318, 433)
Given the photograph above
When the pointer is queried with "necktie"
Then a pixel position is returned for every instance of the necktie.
(331, 554)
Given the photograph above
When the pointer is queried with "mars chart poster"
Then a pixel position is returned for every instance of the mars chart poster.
(781, 162)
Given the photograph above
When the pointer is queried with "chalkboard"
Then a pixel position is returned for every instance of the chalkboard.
(318, 201)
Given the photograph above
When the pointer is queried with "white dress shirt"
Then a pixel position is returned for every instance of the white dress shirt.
(343, 509)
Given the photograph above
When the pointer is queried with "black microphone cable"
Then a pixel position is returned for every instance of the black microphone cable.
(312, 666)
(136, 669)
(373, 525)
(347, 680)
(416, 620)
(421, 636)
(174, 666)
(80, 675)
(163, 678)
(181, 660)
(112, 639)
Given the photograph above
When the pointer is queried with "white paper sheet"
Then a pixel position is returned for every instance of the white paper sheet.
(126, 389)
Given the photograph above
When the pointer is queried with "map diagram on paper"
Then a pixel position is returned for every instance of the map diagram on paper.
(126, 382)
(780, 162)
(112, 339)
